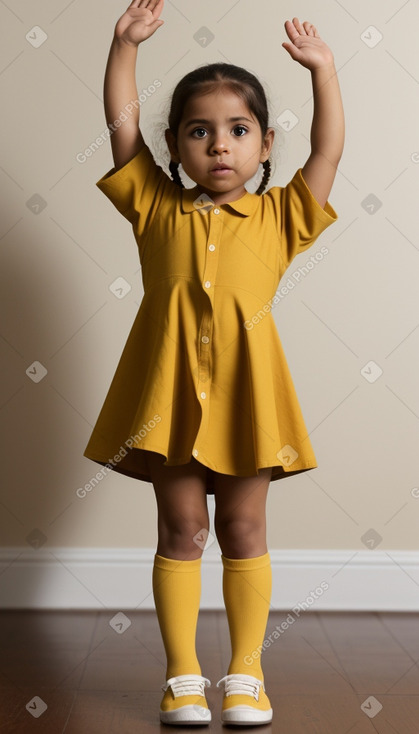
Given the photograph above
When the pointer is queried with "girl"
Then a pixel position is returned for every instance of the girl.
(202, 400)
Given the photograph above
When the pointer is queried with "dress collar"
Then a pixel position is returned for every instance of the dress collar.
(246, 205)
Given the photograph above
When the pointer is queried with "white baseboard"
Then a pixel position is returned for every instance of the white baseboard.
(121, 579)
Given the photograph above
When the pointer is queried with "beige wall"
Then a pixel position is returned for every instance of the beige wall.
(360, 303)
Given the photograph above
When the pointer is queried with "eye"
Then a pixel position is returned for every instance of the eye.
(240, 127)
(202, 129)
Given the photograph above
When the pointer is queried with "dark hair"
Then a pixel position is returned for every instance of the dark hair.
(202, 81)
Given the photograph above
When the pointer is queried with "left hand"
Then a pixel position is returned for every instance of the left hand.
(307, 47)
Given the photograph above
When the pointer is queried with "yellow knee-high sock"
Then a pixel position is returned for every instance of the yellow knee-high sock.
(247, 588)
(177, 593)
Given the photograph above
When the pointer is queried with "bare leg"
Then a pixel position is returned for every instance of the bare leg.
(182, 506)
(240, 515)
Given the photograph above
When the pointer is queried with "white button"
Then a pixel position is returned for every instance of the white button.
(203, 394)
(216, 211)
(207, 284)
(205, 339)
(195, 452)
(211, 247)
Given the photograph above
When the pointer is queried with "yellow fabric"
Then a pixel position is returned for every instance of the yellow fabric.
(247, 589)
(177, 592)
(203, 372)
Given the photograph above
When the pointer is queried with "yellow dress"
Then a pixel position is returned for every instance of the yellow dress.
(203, 372)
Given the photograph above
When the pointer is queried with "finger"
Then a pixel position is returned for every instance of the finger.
(135, 4)
(300, 28)
(308, 28)
(153, 5)
(156, 7)
(157, 23)
(292, 50)
(291, 30)
(146, 4)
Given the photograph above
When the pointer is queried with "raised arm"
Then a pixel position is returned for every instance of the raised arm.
(138, 23)
(328, 125)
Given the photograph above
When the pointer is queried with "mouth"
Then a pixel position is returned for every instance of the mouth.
(220, 171)
(221, 167)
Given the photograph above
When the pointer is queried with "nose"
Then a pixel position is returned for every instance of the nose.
(219, 145)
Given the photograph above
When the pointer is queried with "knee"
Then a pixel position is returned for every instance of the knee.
(185, 534)
(238, 535)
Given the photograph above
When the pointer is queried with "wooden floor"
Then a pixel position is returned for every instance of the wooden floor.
(327, 673)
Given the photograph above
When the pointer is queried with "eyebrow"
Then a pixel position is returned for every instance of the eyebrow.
(207, 122)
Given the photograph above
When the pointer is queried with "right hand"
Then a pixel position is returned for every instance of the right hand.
(139, 21)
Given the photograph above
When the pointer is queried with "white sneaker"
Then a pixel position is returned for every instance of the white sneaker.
(245, 702)
(195, 709)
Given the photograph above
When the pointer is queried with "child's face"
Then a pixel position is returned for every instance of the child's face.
(215, 138)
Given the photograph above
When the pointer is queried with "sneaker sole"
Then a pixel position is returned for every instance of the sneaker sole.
(193, 715)
(245, 716)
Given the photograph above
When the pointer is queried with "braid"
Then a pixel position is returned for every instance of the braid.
(266, 176)
(173, 168)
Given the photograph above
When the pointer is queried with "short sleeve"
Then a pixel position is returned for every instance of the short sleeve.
(137, 188)
(299, 217)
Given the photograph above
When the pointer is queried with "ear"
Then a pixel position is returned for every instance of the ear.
(172, 145)
(267, 144)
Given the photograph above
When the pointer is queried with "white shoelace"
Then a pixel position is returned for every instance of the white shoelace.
(238, 684)
(187, 685)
